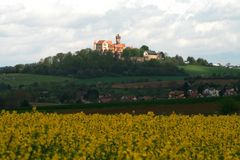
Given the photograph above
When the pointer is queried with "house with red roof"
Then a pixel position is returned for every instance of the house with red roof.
(107, 45)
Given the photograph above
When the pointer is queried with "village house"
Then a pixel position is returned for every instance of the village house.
(229, 92)
(152, 55)
(128, 98)
(105, 98)
(148, 55)
(176, 95)
(107, 45)
(211, 92)
(193, 94)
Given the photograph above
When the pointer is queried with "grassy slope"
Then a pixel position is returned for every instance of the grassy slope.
(26, 79)
(209, 71)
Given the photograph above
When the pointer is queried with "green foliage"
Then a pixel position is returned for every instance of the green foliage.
(118, 105)
(90, 63)
(14, 80)
(92, 95)
(229, 106)
(25, 103)
(177, 60)
(197, 70)
(144, 48)
(191, 60)
(13, 98)
(201, 61)
(4, 87)
(132, 52)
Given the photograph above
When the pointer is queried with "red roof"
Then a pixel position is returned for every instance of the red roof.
(102, 41)
(109, 42)
(119, 45)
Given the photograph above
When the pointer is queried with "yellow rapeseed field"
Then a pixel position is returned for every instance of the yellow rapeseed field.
(124, 136)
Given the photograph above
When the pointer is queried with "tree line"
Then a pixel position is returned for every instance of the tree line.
(91, 63)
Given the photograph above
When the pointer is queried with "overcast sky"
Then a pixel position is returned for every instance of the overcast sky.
(34, 29)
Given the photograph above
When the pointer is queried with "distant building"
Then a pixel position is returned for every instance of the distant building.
(105, 98)
(186, 62)
(103, 45)
(151, 55)
(230, 92)
(107, 45)
(193, 94)
(176, 95)
(210, 92)
(217, 65)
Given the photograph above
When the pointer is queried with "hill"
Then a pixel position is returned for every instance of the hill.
(91, 64)
(16, 79)
(18, 88)
(197, 70)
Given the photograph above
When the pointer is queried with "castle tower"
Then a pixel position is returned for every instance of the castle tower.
(118, 39)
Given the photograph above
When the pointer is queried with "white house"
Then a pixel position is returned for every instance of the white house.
(211, 92)
(151, 55)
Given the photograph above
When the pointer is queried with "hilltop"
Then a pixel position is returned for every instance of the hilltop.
(91, 76)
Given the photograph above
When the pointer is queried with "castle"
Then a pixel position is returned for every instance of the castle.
(107, 45)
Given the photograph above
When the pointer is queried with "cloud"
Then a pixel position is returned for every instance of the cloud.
(30, 30)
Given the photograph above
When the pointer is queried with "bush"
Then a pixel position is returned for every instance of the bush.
(25, 103)
(229, 106)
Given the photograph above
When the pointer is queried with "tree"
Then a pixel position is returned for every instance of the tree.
(203, 62)
(191, 60)
(60, 57)
(19, 68)
(25, 103)
(186, 86)
(144, 48)
(91, 63)
(4, 87)
(228, 65)
(132, 52)
(179, 59)
(92, 95)
(64, 97)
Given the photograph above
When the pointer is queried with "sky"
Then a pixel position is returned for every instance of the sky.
(34, 29)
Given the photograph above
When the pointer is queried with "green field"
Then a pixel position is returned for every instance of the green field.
(195, 70)
(16, 79)
(204, 105)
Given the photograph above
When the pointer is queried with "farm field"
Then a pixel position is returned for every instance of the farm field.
(183, 109)
(16, 79)
(123, 136)
(195, 70)
(170, 84)
(206, 106)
